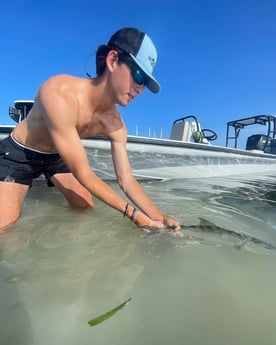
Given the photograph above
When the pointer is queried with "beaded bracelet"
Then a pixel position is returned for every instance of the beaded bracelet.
(133, 216)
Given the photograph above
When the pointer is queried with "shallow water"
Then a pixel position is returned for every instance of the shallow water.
(60, 268)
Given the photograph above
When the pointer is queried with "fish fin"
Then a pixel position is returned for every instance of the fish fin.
(205, 222)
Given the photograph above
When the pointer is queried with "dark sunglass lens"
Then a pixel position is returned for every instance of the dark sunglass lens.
(139, 76)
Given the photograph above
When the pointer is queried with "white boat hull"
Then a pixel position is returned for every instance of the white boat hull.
(172, 159)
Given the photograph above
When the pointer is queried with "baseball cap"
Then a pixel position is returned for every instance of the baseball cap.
(141, 49)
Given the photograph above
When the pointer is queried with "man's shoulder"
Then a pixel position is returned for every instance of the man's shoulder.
(63, 79)
(61, 85)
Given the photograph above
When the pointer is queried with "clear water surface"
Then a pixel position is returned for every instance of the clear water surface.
(60, 268)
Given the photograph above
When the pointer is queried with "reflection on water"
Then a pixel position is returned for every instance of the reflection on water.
(60, 268)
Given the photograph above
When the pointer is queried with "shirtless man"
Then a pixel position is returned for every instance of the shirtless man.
(67, 109)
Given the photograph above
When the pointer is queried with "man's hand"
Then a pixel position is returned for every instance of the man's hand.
(150, 226)
(147, 224)
(173, 226)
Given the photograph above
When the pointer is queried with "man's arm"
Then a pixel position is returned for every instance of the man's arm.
(129, 184)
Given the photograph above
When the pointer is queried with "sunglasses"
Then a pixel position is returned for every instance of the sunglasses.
(138, 75)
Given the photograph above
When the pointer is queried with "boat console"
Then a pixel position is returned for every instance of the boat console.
(257, 142)
(188, 129)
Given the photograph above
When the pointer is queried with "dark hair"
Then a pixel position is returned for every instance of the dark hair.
(101, 55)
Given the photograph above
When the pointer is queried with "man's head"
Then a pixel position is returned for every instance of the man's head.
(136, 49)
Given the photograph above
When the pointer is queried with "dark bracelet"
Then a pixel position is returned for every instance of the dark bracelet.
(126, 209)
(133, 216)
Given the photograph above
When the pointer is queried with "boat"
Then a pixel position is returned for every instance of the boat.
(188, 153)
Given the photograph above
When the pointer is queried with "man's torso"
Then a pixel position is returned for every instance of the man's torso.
(34, 131)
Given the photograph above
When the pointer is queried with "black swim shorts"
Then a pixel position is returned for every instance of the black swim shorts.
(21, 165)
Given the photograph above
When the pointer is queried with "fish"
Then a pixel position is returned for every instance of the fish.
(107, 315)
(206, 228)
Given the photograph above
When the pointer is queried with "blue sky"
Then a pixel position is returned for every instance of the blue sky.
(216, 58)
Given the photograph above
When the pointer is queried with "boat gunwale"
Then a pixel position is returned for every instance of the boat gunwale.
(185, 144)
